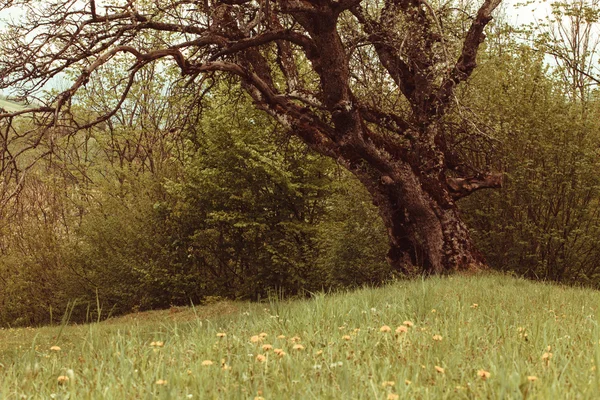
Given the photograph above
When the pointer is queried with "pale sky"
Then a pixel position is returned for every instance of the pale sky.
(516, 15)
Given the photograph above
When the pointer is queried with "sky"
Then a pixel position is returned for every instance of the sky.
(516, 14)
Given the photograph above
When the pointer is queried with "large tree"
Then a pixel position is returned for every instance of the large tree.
(368, 83)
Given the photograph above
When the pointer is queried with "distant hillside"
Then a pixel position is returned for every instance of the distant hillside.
(10, 106)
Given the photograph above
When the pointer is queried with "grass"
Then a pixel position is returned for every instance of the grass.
(10, 106)
(513, 329)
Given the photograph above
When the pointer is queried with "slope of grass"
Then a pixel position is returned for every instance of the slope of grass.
(10, 106)
(534, 340)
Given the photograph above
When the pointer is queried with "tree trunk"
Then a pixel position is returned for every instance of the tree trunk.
(425, 230)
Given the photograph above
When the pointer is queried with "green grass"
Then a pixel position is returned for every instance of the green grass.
(506, 334)
(10, 106)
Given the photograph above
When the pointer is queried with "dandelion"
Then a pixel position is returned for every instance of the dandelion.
(260, 358)
(392, 396)
(401, 329)
(298, 347)
(62, 380)
(483, 374)
(385, 328)
(437, 338)
(267, 347)
(295, 339)
(408, 323)
(55, 348)
(263, 335)
(346, 337)
(546, 357)
(161, 382)
(440, 369)
(157, 344)
(255, 339)
(207, 363)
(279, 352)
(532, 378)
(221, 334)
(385, 384)
(474, 305)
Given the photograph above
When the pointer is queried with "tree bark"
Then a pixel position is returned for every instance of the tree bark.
(425, 231)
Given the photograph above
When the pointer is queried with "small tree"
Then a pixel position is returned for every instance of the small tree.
(367, 83)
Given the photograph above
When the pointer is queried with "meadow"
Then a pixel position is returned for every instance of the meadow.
(461, 337)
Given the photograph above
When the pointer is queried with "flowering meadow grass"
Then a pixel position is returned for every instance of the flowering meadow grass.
(463, 337)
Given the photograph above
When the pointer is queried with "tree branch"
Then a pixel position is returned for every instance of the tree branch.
(462, 187)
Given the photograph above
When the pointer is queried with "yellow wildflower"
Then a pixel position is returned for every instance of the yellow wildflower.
(207, 363)
(298, 347)
(385, 328)
(161, 382)
(55, 348)
(532, 378)
(256, 339)
(437, 338)
(63, 379)
(263, 335)
(483, 374)
(260, 358)
(408, 323)
(279, 352)
(267, 347)
(388, 384)
(440, 369)
(221, 334)
(281, 337)
(346, 337)
(401, 329)
(392, 396)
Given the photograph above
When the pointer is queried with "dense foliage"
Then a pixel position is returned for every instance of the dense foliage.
(236, 209)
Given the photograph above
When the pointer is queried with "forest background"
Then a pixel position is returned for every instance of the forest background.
(162, 205)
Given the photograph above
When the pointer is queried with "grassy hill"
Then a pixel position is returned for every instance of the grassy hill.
(461, 337)
(10, 106)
